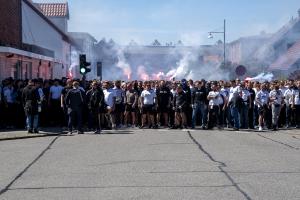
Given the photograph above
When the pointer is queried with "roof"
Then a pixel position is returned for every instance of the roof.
(39, 12)
(285, 61)
(81, 35)
(54, 9)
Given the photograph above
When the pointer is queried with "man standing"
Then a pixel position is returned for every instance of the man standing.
(262, 101)
(249, 87)
(288, 94)
(276, 100)
(30, 99)
(148, 104)
(246, 105)
(95, 101)
(235, 103)
(64, 92)
(164, 102)
(119, 106)
(213, 107)
(131, 104)
(55, 103)
(75, 100)
(199, 104)
(180, 103)
(110, 101)
(296, 104)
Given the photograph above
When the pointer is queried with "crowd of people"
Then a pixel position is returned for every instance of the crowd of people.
(99, 105)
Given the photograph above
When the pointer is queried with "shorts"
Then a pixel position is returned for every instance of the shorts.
(129, 108)
(163, 109)
(119, 108)
(148, 109)
(262, 110)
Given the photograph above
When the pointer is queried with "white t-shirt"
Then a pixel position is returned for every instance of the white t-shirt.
(262, 97)
(109, 96)
(215, 101)
(288, 96)
(245, 94)
(148, 96)
(234, 91)
(297, 98)
(56, 91)
(278, 95)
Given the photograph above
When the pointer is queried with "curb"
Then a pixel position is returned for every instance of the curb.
(28, 137)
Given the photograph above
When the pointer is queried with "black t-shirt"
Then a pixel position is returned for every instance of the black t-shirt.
(163, 95)
(252, 94)
(199, 95)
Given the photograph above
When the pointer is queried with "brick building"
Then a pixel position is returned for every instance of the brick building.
(31, 44)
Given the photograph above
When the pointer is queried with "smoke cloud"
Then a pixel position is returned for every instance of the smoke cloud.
(161, 62)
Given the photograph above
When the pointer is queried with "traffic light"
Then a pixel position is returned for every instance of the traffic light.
(83, 65)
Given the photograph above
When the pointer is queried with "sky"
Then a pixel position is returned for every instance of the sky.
(171, 20)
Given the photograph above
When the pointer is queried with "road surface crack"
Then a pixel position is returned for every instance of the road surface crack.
(221, 166)
(278, 142)
(6, 188)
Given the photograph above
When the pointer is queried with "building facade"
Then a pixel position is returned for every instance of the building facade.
(31, 45)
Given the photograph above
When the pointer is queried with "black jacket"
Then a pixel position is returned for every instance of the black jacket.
(95, 99)
(75, 99)
(30, 98)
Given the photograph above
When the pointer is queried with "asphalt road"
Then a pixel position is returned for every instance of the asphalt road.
(153, 164)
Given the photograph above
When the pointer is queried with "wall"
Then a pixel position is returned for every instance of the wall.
(60, 22)
(10, 23)
(39, 32)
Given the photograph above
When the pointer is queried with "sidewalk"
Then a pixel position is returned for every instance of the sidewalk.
(14, 134)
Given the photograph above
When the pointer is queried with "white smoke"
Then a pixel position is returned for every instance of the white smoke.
(122, 64)
(263, 77)
(74, 64)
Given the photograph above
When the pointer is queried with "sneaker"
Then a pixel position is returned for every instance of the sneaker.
(29, 131)
(141, 127)
(70, 133)
(260, 128)
(36, 131)
(97, 132)
(80, 132)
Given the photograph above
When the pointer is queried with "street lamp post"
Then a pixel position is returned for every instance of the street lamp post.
(224, 42)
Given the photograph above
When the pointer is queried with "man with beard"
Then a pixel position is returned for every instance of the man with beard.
(164, 101)
(199, 104)
(95, 103)
(30, 99)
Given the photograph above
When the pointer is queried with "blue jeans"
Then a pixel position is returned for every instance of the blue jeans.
(32, 121)
(244, 116)
(200, 109)
(236, 116)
